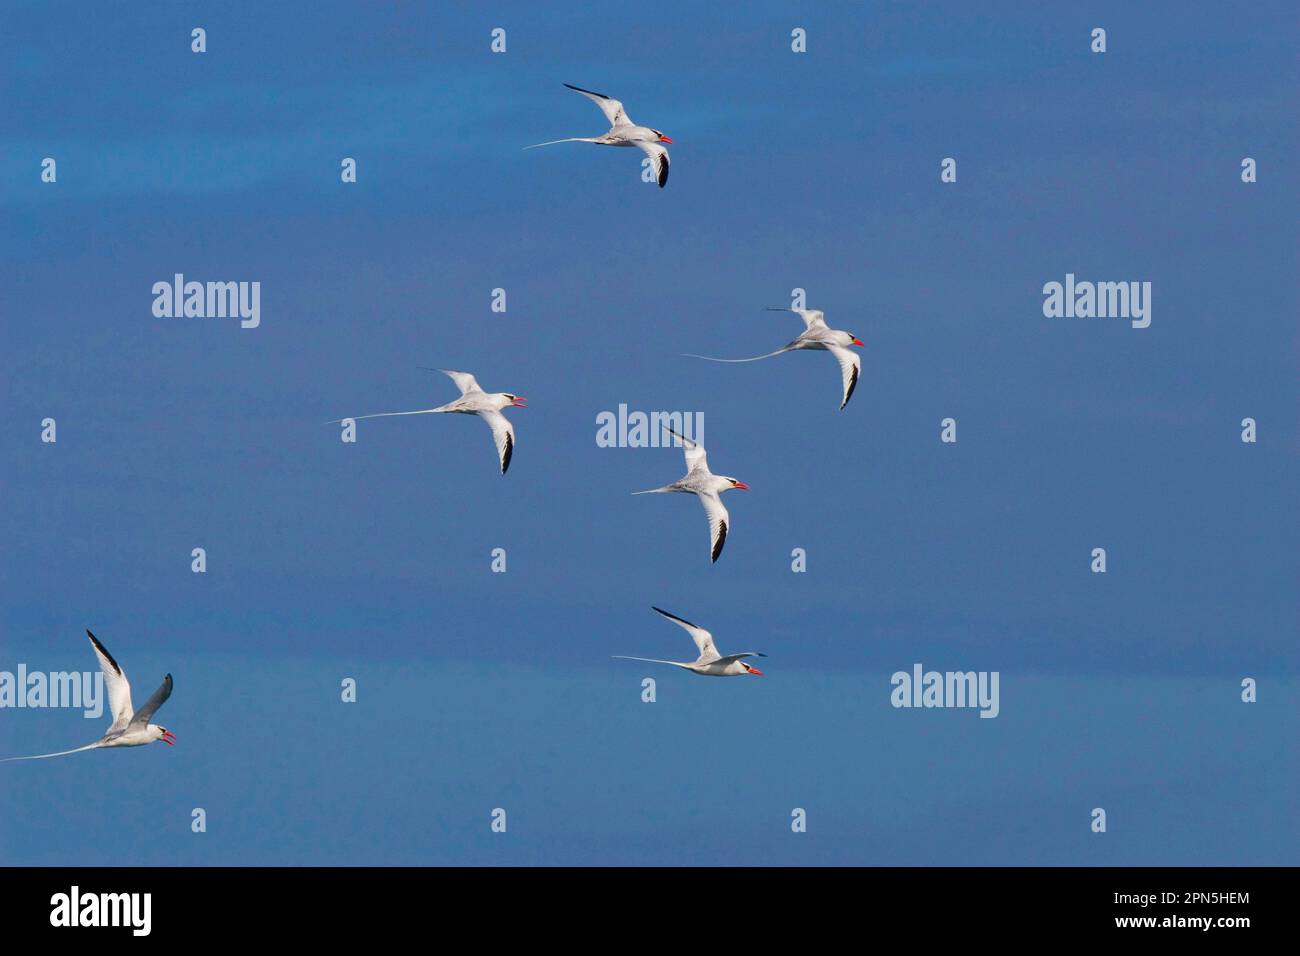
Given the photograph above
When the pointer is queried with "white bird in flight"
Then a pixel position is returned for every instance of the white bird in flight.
(473, 401)
(130, 728)
(710, 663)
(622, 132)
(817, 335)
(706, 486)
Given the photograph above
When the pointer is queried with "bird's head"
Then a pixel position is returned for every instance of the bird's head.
(163, 734)
(507, 400)
(854, 340)
(662, 137)
(750, 670)
(734, 483)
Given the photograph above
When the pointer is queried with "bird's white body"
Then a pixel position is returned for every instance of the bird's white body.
(710, 663)
(719, 669)
(130, 727)
(473, 401)
(134, 737)
(817, 335)
(622, 132)
(707, 487)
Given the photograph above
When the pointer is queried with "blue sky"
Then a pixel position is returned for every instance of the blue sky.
(819, 171)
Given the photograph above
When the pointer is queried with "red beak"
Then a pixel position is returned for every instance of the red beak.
(742, 486)
(859, 342)
(168, 739)
(519, 401)
(756, 671)
(664, 139)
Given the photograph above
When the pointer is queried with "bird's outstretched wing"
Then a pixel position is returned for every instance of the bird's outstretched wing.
(119, 688)
(812, 318)
(850, 369)
(735, 657)
(503, 433)
(696, 457)
(719, 522)
(659, 155)
(703, 639)
(611, 107)
(153, 703)
(464, 380)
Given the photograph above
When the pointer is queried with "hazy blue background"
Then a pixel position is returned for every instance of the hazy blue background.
(480, 690)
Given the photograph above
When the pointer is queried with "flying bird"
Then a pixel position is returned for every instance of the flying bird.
(622, 132)
(130, 728)
(473, 401)
(817, 335)
(706, 486)
(710, 663)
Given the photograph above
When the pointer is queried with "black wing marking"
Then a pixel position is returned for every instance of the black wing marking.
(590, 92)
(508, 453)
(679, 620)
(103, 650)
(722, 539)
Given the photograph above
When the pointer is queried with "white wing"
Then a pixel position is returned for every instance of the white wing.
(660, 156)
(119, 689)
(719, 521)
(812, 318)
(696, 458)
(850, 369)
(703, 639)
(464, 381)
(611, 107)
(504, 435)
